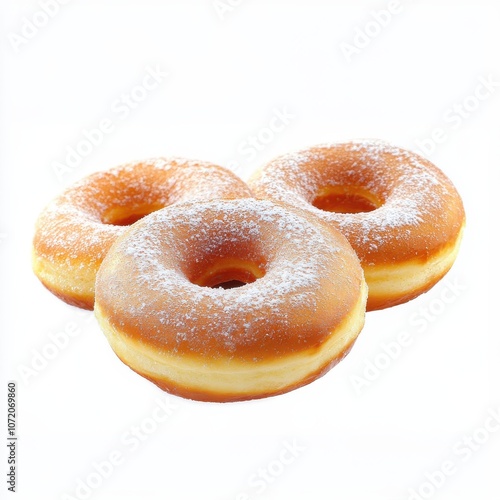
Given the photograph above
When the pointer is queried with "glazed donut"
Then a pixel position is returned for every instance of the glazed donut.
(402, 215)
(167, 302)
(75, 231)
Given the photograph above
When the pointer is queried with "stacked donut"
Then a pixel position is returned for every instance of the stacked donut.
(217, 290)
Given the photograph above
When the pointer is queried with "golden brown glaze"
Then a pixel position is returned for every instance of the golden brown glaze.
(400, 213)
(299, 313)
(74, 232)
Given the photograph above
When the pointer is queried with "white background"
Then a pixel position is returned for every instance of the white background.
(228, 74)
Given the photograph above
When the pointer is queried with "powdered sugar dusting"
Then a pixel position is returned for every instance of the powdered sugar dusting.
(414, 193)
(157, 255)
(73, 227)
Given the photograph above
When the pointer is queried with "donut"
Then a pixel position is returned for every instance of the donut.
(402, 215)
(75, 231)
(229, 300)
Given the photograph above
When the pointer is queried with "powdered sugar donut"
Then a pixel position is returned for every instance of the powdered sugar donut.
(75, 231)
(402, 215)
(299, 309)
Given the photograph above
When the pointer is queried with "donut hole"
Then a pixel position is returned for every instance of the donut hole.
(126, 216)
(346, 200)
(228, 274)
